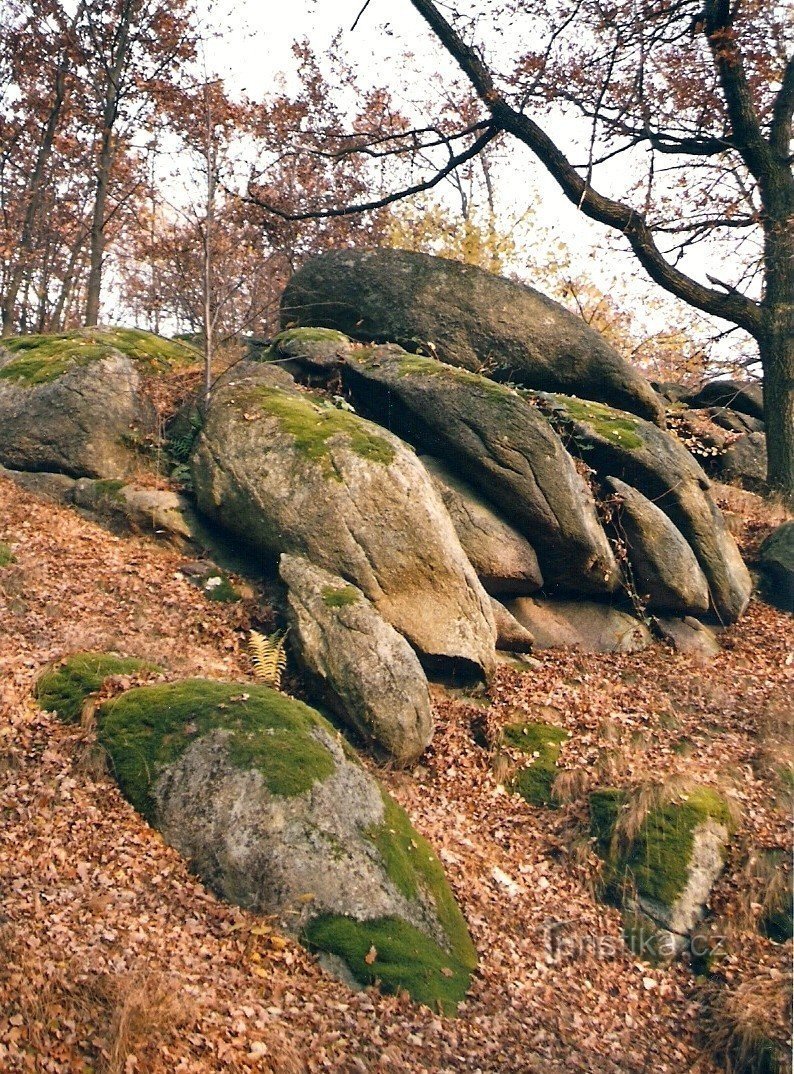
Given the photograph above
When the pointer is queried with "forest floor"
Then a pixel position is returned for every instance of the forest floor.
(114, 958)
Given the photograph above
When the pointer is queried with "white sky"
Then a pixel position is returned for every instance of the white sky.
(253, 54)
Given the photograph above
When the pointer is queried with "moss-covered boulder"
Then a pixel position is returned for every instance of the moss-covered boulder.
(317, 350)
(72, 403)
(286, 471)
(471, 318)
(64, 686)
(664, 864)
(536, 747)
(501, 445)
(357, 663)
(275, 814)
(618, 444)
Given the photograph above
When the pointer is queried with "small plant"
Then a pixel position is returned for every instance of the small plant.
(6, 555)
(268, 655)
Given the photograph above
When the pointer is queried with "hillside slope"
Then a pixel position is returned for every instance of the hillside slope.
(113, 957)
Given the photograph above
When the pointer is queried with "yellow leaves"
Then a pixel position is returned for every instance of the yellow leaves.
(371, 955)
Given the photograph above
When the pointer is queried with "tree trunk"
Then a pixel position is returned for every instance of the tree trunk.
(94, 290)
(777, 359)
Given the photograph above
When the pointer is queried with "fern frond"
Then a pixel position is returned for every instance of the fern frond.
(268, 655)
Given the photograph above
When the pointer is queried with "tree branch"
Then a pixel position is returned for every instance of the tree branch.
(614, 214)
(379, 203)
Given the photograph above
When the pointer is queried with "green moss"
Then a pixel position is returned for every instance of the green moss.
(616, 426)
(42, 359)
(404, 958)
(309, 335)
(418, 365)
(656, 864)
(148, 728)
(312, 427)
(6, 555)
(340, 597)
(542, 742)
(412, 865)
(64, 687)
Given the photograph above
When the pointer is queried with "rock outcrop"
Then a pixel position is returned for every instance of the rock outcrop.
(276, 815)
(74, 404)
(742, 396)
(621, 445)
(505, 447)
(469, 317)
(664, 568)
(504, 560)
(288, 472)
(360, 666)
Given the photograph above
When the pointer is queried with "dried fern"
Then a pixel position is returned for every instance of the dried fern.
(268, 656)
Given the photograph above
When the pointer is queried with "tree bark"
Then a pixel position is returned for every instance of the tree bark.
(107, 150)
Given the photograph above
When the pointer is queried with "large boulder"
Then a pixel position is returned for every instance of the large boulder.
(744, 396)
(469, 317)
(287, 472)
(664, 569)
(504, 560)
(275, 814)
(776, 558)
(361, 667)
(664, 868)
(583, 625)
(73, 403)
(503, 445)
(622, 445)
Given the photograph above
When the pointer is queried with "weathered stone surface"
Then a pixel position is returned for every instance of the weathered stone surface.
(511, 636)
(472, 319)
(363, 669)
(734, 421)
(689, 636)
(287, 473)
(744, 396)
(504, 560)
(142, 509)
(776, 558)
(621, 445)
(583, 625)
(664, 567)
(743, 462)
(274, 814)
(73, 404)
(503, 445)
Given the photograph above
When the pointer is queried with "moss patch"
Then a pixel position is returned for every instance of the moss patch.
(309, 335)
(615, 426)
(340, 597)
(148, 728)
(6, 555)
(412, 866)
(657, 861)
(542, 742)
(42, 359)
(404, 958)
(65, 687)
(418, 365)
(312, 427)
